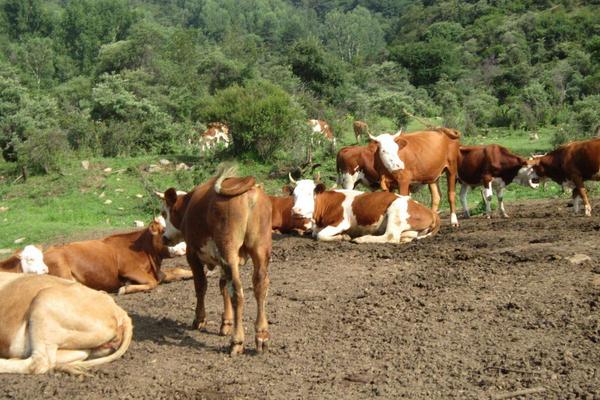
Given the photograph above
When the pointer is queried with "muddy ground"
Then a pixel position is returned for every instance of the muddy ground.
(489, 309)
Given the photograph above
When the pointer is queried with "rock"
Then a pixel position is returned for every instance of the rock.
(138, 224)
(85, 164)
(20, 240)
(163, 161)
(107, 170)
(139, 196)
(119, 190)
(153, 168)
(101, 195)
(108, 201)
(182, 167)
(5, 251)
(4, 209)
(579, 259)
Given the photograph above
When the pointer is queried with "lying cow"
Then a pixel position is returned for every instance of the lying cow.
(50, 323)
(570, 165)
(379, 217)
(225, 221)
(419, 157)
(491, 166)
(282, 218)
(30, 260)
(110, 263)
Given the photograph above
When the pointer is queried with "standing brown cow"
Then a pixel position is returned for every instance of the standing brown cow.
(360, 129)
(224, 221)
(419, 157)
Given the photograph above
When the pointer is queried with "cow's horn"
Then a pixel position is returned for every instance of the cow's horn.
(372, 137)
(318, 177)
(291, 179)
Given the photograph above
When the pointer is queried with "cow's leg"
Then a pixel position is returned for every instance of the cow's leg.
(236, 291)
(144, 281)
(434, 189)
(486, 194)
(227, 316)
(500, 186)
(582, 193)
(333, 233)
(464, 190)
(260, 281)
(175, 274)
(70, 356)
(200, 288)
(397, 224)
(451, 180)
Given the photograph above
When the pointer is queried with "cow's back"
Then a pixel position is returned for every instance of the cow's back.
(584, 158)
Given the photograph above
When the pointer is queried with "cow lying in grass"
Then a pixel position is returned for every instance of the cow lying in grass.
(30, 260)
(111, 263)
(50, 323)
(379, 217)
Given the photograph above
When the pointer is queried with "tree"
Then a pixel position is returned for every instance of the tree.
(36, 55)
(24, 17)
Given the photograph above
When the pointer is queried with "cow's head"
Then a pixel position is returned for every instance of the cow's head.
(388, 150)
(174, 251)
(32, 260)
(304, 194)
(530, 174)
(172, 211)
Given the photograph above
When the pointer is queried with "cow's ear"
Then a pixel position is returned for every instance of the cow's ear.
(320, 188)
(287, 189)
(170, 196)
(401, 142)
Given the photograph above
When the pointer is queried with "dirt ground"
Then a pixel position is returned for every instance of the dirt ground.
(491, 308)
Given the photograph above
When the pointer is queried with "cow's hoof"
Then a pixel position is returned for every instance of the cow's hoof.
(122, 290)
(262, 342)
(488, 216)
(201, 326)
(505, 216)
(226, 328)
(236, 349)
(466, 215)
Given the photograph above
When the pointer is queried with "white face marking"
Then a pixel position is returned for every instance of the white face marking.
(304, 198)
(161, 221)
(171, 233)
(388, 151)
(177, 250)
(348, 181)
(32, 261)
(525, 177)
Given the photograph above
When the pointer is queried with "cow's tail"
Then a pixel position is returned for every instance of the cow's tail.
(234, 186)
(451, 133)
(79, 367)
(433, 228)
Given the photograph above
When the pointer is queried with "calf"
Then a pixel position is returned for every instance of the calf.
(215, 133)
(30, 260)
(360, 129)
(50, 323)
(106, 264)
(490, 165)
(224, 221)
(570, 165)
(379, 217)
(419, 157)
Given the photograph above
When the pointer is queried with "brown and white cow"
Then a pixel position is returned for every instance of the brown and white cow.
(356, 164)
(419, 157)
(110, 264)
(378, 217)
(225, 221)
(216, 132)
(570, 165)
(29, 260)
(51, 323)
(490, 166)
(322, 129)
(361, 129)
(282, 218)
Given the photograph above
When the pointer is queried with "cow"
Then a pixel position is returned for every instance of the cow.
(490, 165)
(356, 164)
(30, 260)
(282, 218)
(360, 129)
(322, 129)
(216, 132)
(224, 221)
(419, 157)
(110, 264)
(570, 165)
(48, 323)
(378, 217)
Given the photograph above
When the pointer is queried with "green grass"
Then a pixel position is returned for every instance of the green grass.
(58, 205)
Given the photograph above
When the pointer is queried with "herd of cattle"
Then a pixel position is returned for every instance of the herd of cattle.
(56, 317)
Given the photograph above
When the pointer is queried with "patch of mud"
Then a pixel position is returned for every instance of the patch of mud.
(492, 307)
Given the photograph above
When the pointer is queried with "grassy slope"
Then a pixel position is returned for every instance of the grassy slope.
(47, 207)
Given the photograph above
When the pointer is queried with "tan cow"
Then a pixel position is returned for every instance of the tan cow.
(112, 263)
(50, 323)
(224, 222)
(570, 165)
(419, 157)
(379, 217)
(361, 129)
(216, 132)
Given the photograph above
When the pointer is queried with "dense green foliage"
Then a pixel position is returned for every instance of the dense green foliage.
(130, 77)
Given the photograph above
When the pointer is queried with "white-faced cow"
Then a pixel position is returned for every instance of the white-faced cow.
(419, 157)
(51, 323)
(30, 260)
(126, 262)
(224, 222)
(490, 166)
(379, 217)
(570, 165)
(361, 129)
(215, 133)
